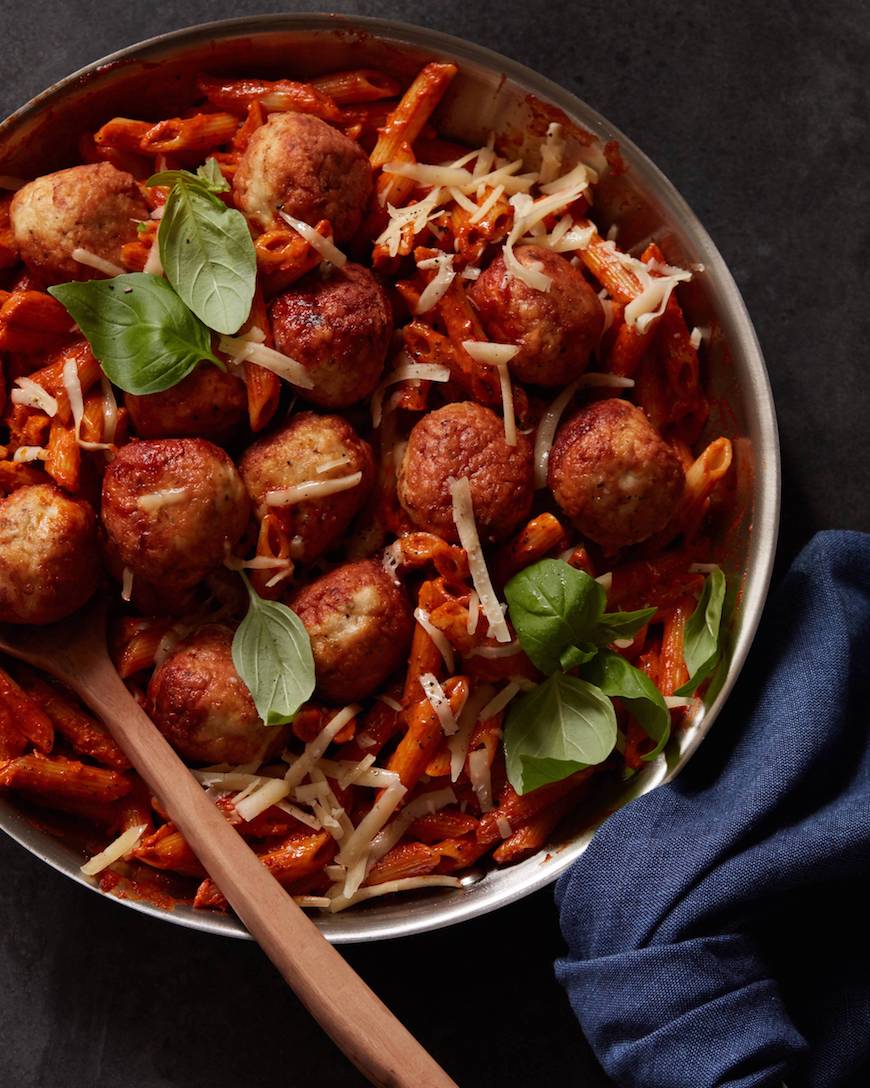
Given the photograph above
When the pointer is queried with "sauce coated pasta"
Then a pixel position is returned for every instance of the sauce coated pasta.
(391, 461)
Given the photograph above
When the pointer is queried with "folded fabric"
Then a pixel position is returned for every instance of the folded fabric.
(718, 927)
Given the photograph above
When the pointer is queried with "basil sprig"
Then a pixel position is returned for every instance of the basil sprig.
(558, 614)
(618, 678)
(272, 655)
(144, 336)
(569, 722)
(206, 248)
(560, 727)
(701, 641)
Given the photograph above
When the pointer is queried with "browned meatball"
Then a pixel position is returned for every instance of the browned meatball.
(201, 705)
(173, 508)
(360, 624)
(49, 563)
(92, 207)
(311, 448)
(613, 474)
(555, 330)
(465, 439)
(339, 330)
(208, 403)
(307, 168)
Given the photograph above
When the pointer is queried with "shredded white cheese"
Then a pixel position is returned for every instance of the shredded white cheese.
(656, 288)
(576, 181)
(77, 405)
(407, 884)
(473, 611)
(530, 275)
(343, 770)
(547, 432)
(156, 500)
(417, 215)
(427, 803)
(357, 845)
(320, 901)
(110, 410)
(498, 355)
(26, 454)
(326, 248)
(93, 260)
(504, 827)
(425, 174)
(436, 289)
(312, 489)
(438, 637)
(266, 795)
(463, 518)
(507, 650)
(313, 791)
(439, 702)
(315, 748)
(389, 701)
(241, 350)
(488, 204)
(300, 815)
(259, 562)
(126, 584)
(492, 354)
(32, 395)
(406, 371)
(498, 702)
(552, 149)
(124, 843)
(458, 744)
(335, 462)
(481, 778)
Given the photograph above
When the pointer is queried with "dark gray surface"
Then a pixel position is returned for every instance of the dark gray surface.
(758, 112)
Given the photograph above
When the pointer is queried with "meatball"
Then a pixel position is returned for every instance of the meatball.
(173, 508)
(465, 439)
(556, 330)
(613, 474)
(49, 562)
(360, 623)
(92, 207)
(202, 706)
(303, 166)
(311, 447)
(208, 403)
(339, 329)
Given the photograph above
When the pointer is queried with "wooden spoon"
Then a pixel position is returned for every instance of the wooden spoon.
(74, 652)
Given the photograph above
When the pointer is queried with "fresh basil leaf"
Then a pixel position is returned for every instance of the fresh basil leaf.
(144, 336)
(577, 655)
(614, 625)
(619, 679)
(701, 639)
(552, 607)
(560, 727)
(208, 175)
(272, 655)
(208, 255)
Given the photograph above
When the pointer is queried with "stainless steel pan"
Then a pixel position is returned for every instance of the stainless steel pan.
(491, 93)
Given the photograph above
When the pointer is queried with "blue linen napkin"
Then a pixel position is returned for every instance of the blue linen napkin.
(718, 927)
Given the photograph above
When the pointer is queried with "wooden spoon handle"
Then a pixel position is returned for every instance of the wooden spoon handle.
(356, 1019)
